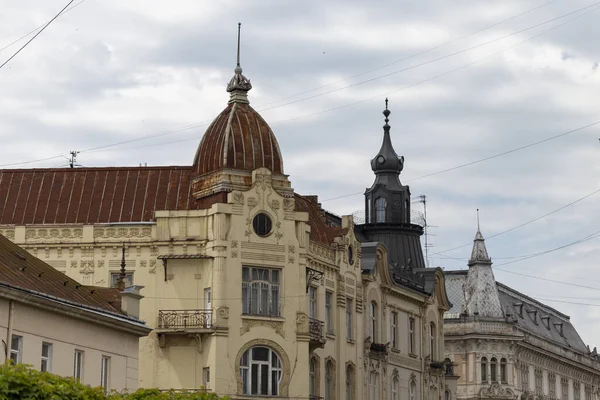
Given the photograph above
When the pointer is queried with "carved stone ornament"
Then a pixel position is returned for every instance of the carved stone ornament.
(223, 312)
(496, 391)
(301, 322)
(286, 373)
(248, 324)
(288, 205)
(238, 198)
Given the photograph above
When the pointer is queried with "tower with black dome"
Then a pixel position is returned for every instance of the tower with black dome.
(387, 207)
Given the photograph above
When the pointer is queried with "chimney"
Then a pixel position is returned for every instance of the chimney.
(130, 300)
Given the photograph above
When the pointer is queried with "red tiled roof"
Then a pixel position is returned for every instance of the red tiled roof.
(239, 138)
(18, 268)
(92, 195)
(320, 231)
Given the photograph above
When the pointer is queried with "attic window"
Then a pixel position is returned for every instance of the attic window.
(534, 317)
(546, 320)
(559, 328)
(519, 307)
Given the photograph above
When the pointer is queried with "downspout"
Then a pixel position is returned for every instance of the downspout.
(11, 312)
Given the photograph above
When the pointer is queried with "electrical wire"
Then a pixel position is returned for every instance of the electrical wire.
(412, 55)
(432, 60)
(523, 224)
(542, 299)
(39, 27)
(188, 127)
(36, 35)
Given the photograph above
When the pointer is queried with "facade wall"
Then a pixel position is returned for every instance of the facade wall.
(67, 334)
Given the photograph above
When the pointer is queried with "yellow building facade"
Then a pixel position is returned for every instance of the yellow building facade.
(250, 288)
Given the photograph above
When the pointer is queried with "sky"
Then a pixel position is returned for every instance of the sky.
(487, 98)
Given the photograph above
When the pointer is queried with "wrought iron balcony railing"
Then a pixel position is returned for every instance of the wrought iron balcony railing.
(316, 329)
(379, 347)
(184, 319)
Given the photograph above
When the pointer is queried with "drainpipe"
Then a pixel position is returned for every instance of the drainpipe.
(11, 312)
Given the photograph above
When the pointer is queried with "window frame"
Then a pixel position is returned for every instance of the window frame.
(47, 358)
(349, 319)
(411, 335)
(105, 374)
(312, 377)
(78, 365)
(432, 341)
(312, 302)
(206, 378)
(373, 321)
(329, 312)
(503, 370)
(564, 388)
(493, 369)
(484, 369)
(259, 288)
(349, 382)
(18, 352)
(395, 387)
(247, 383)
(394, 329)
(380, 209)
(329, 379)
(412, 390)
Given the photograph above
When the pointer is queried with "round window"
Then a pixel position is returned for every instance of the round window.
(350, 255)
(262, 224)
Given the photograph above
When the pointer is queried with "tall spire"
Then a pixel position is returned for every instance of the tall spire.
(387, 160)
(479, 254)
(481, 293)
(239, 85)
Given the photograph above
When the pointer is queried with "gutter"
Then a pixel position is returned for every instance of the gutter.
(71, 309)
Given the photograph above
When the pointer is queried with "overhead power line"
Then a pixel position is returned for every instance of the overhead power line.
(188, 127)
(412, 55)
(39, 27)
(36, 35)
(524, 223)
(432, 60)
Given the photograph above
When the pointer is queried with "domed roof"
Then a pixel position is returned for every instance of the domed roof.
(239, 138)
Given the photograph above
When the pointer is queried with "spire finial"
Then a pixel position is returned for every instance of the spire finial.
(478, 221)
(238, 43)
(122, 273)
(386, 113)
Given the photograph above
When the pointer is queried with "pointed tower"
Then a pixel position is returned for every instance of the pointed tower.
(387, 207)
(481, 292)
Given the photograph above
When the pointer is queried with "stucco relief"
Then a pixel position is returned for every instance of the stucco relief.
(111, 233)
(248, 324)
(87, 267)
(301, 322)
(496, 391)
(55, 233)
(152, 268)
(286, 373)
(9, 233)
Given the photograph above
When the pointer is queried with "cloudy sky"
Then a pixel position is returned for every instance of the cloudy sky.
(466, 79)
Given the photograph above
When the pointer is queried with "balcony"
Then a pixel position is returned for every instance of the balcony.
(192, 323)
(316, 330)
(311, 397)
(379, 348)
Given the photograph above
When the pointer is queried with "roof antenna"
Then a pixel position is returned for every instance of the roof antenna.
(73, 159)
(478, 230)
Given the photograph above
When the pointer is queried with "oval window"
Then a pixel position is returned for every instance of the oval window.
(262, 224)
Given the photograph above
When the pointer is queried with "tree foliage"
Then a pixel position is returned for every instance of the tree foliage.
(21, 382)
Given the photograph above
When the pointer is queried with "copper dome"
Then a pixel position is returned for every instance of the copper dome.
(239, 138)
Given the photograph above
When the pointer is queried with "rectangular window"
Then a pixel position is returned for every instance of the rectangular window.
(16, 348)
(348, 318)
(207, 299)
(328, 312)
(576, 390)
(525, 377)
(312, 302)
(552, 385)
(394, 330)
(411, 335)
(261, 291)
(105, 373)
(538, 381)
(78, 365)
(114, 279)
(564, 385)
(46, 365)
(206, 378)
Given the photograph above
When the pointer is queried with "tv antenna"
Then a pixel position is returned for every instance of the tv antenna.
(426, 226)
(73, 159)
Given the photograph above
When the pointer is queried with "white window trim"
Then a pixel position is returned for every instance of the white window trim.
(48, 358)
(19, 350)
(78, 365)
(273, 310)
(206, 378)
(394, 329)
(105, 373)
(248, 390)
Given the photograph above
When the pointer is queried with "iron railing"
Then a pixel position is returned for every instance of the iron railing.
(315, 329)
(183, 319)
(378, 347)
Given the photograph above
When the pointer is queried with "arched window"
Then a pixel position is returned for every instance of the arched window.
(380, 205)
(483, 369)
(432, 341)
(372, 386)
(329, 380)
(447, 395)
(373, 320)
(377, 386)
(412, 390)
(261, 371)
(493, 367)
(503, 370)
(312, 377)
(349, 383)
(395, 387)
